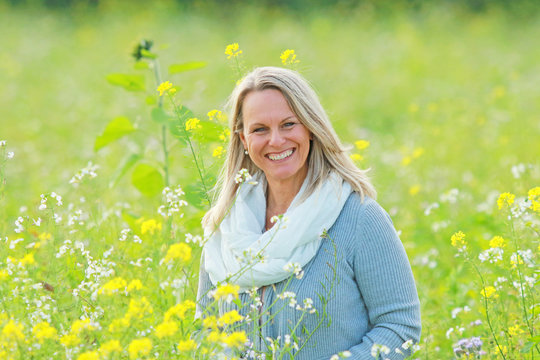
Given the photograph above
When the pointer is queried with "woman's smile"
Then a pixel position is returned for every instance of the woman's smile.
(280, 156)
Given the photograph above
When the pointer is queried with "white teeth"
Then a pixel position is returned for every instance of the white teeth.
(283, 155)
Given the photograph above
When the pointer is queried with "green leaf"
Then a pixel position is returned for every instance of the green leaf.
(178, 122)
(147, 54)
(141, 65)
(151, 100)
(115, 129)
(127, 81)
(192, 65)
(533, 341)
(209, 131)
(196, 196)
(122, 170)
(147, 179)
(159, 115)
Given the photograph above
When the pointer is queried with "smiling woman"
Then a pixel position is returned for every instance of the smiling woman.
(357, 290)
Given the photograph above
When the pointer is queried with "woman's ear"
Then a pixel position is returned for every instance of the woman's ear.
(243, 139)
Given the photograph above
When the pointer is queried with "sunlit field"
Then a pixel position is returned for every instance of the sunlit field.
(113, 129)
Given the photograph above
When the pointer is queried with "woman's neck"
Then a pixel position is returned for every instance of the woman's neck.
(280, 195)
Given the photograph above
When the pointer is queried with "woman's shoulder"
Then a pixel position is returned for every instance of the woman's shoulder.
(358, 205)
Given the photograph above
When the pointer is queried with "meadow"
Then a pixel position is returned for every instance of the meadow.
(106, 162)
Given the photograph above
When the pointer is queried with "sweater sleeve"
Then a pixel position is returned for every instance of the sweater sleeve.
(386, 283)
(205, 285)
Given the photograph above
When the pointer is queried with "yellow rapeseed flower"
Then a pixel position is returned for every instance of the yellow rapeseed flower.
(505, 199)
(187, 345)
(210, 322)
(27, 259)
(139, 307)
(216, 336)
(119, 325)
(43, 331)
(413, 190)
(89, 355)
(166, 328)
(135, 284)
(225, 135)
(180, 251)
(113, 286)
(361, 144)
(109, 347)
(232, 50)
(497, 242)
(217, 115)
(534, 198)
(230, 318)
(515, 330)
(3, 274)
(419, 151)
(79, 325)
(192, 124)
(237, 339)
(150, 226)
(226, 291)
(458, 240)
(356, 157)
(406, 160)
(139, 347)
(43, 237)
(163, 87)
(179, 310)
(70, 340)
(288, 57)
(13, 331)
(218, 151)
(489, 292)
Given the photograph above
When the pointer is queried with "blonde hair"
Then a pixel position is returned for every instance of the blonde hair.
(326, 153)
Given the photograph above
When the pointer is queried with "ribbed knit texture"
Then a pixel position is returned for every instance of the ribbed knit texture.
(370, 298)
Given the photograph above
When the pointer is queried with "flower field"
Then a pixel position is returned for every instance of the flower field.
(113, 129)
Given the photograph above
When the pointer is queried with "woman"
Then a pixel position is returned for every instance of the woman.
(357, 290)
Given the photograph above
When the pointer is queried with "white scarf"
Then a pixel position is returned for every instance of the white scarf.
(241, 235)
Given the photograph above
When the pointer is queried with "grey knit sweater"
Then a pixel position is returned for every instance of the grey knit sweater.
(361, 285)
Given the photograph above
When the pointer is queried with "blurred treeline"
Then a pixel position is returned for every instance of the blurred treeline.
(516, 7)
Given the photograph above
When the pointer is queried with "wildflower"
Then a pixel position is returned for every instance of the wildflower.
(139, 347)
(163, 87)
(492, 255)
(166, 328)
(218, 115)
(110, 346)
(179, 310)
(225, 135)
(505, 199)
(218, 151)
(406, 160)
(356, 157)
(118, 325)
(378, 349)
(489, 292)
(150, 226)
(113, 286)
(27, 259)
(10, 155)
(69, 340)
(497, 242)
(180, 251)
(230, 317)
(413, 190)
(3, 274)
(89, 355)
(237, 339)
(534, 198)
(469, 347)
(138, 307)
(43, 331)
(215, 336)
(227, 292)
(210, 322)
(232, 50)
(2, 143)
(288, 57)
(134, 285)
(13, 331)
(79, 325)
(458, 240)
(515, 330)
(186, 345)
(244, 176)
(417, 152)
(192, 124)
(43, 237)
(361, 144)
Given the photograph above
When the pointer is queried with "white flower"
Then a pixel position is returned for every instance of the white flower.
(10, 155)
(2, 143)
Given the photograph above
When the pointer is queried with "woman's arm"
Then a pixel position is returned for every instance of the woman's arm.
(385, 280)
(205, 285)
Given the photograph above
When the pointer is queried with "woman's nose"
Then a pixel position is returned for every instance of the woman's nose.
(276, 138)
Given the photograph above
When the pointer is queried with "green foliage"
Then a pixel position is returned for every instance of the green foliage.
(115, 129)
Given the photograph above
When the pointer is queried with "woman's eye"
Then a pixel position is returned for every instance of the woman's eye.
(260, 129)
(289, 124)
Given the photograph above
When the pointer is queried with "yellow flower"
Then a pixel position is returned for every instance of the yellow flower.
(218, 151)
(288, 57)
(413, 190)
(225, 135)
(515, 330)
(180, 251)
(237, 339)
(217, 115)
(210, 322)
(166, 328)
(505, 199)
(179, 310)
(361, 144)
(356, 157)
(13, 331)
(118, 325)
(192, 124)
(406, 160)
(150, 226)
(226, 291)
(27, 259)
(138, 307)
(79, 325)
(489, 292)
(497, 242)
(70, 340)
(534, 198)
(110, 346)
(163, 87)
(89, 355)
(187, 345)
(215, 336)
(230, 318)
(417, 152)
(135, 284)
(43, 237)
(113, 286)
(139, 347)
(458, 240)
(3, 274)
(232, 50)
(43, 331)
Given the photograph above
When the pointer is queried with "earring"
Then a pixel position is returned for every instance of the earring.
(246, 152)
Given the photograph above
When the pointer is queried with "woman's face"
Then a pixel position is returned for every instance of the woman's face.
(277, 142)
